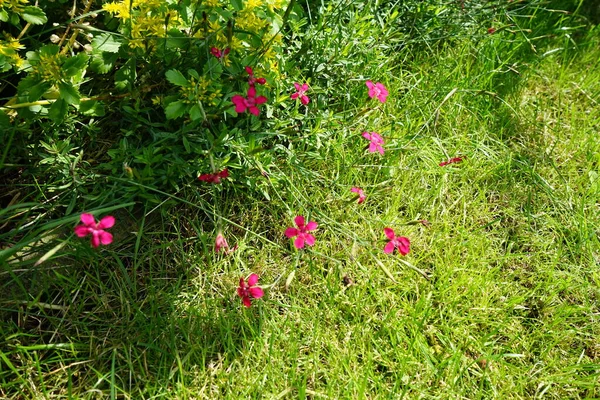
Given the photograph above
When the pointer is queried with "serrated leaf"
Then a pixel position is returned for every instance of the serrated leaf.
(176, 77)
(74, 65)
(103, 63)
(34, 15)
(195, 112)
(68, 93)
(36, 91)
(58, 111)
(106, 42)
(175, 109)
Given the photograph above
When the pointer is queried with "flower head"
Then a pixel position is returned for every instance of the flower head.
(251, 102)
(249, 290)
(97, 230)
(214, 178)
(396, 242)
(376, 142)
(361, 194)
(218, 53)
(301, 92)
(302, 232)
(221, 244)
(451, 161)
(377, 90)
(253, 80)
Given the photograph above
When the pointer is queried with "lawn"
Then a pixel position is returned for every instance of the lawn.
(490, 170)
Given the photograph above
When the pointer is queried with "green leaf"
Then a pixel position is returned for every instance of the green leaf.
(34, 15)
(3, 16)
(58, 111)
(175, 109)
(36, 91)
(92, 108)
(176, 78)
(103, 62)
(195, 112)
(74, 65)
(106, 42)
(68, 93)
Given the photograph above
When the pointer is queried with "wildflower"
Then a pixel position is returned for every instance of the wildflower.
(218, 53)
(377, 90)
(249, 290)
(250, 102)
(451, 161)
(301, 90)
(361, 194)
(99, 235)
(376, 142)
(215, 177)
(491, 30)
(221, 244)
(252, 80)
(396, 242)
(301, 232)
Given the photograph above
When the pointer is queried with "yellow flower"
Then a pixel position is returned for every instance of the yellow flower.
(121, 9)
(212, 3)
(252, 4)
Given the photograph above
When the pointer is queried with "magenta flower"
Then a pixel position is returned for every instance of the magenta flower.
(214, 178)
(249, 290)
(97, 230)
(451, 161)
(301, 92)
(376, 142)
(301, 232)
(361, 194)
(250, 102)
(221, 244)
(252, 80)
(377, 90)
(396, 242)
(218, 53)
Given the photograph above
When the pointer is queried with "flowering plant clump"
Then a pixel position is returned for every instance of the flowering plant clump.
(301, 232)
(249, 290)
(301, 92)
(360, 193)
(97, 230)
(396, 242)
(376, 142)
(377, 90)
(214, 177)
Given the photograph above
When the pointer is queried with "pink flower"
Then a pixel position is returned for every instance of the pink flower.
(218, 53)
(214, 178)
(221, 244)
(301, 232)
(377, 90)
(301, 93)
(252, 80)
(451, 161)
(361, 194)
(99, 235)
(250, 103)
(249, 290)
(376, 142)
(396, 242)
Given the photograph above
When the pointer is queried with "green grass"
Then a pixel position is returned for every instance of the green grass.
(510, 309)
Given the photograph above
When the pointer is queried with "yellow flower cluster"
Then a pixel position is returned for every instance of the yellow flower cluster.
(200, 91)
(9, 48)
(49, 67)
(15, 6)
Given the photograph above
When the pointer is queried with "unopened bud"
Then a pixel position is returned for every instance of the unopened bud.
(54, 38)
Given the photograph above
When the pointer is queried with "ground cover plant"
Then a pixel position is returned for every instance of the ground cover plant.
(268, 199)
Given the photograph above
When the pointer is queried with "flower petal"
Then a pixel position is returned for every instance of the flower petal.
(256, 292)
(304, 99)
(294, 96)
(252, 280)
(240, 104)
(305, 87)
(311, 226)
(106, 222)
(366, 135)
(251, 91)
(299, 220)
(249, 71)
(260, 100)
(82, 230)
(254, 110)
(297, 86)
(88, 219)
(389, 233)
(389, 248)
(95, 239)
(299, 242)
(246, 301)
(106, 238)
(403, 245)
(309, 239)
(370, 84)
(291, 232)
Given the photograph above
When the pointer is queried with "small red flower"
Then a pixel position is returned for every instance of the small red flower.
(361, 194)
(249, 290)
(97, 230)
(302, 232)
(218, 53)
(301, 92)
(253, 80)
(250, 103)
(221, 245)
(396, 242)
(451, 161)
(376, 142)
(491, 30)
(377, 90)
(214, 178)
